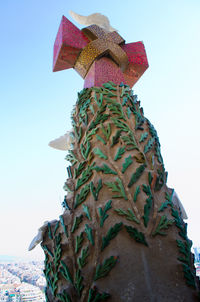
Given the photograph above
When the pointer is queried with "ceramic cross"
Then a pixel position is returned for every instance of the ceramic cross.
(98, 56)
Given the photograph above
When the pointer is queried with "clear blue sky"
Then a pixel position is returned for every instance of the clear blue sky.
(36, 103)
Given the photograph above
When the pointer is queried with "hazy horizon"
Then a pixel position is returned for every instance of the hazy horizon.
(36, 104)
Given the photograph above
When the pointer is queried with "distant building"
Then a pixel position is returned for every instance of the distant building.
(197, 260)
(197, 254)
(30, 293)
(22, 282)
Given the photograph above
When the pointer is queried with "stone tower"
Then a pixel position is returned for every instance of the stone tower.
(122, 236)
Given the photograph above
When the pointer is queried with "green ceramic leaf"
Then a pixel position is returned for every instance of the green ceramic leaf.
(78, 282)
(127, 163)
(69, 171)
(83, 118)
(89, 234)
(135, 234)
(106, 131)
(164, 223)
(118, 187)
(57, 251)
(99, 119)
(110, 86)
(124, 91)
(148, 205)
(102, 212)
(168, 201)
(105, 169)
(187, 262)
(98, 101)
(95, 190)
(98, 152)
(130, 141)
(108, 93)
(143, 137)
(49, 231)
(66, 188)
(135, 176)
(120, 152)
(129, 215)
(86, 174)
(45, 248)
(97, 89)
(79, 169)
(78, 133)
(89, 135)
(103, 270)
(149, 145)
(125, 100)
(65, 272)
(184, 249)
(80, 198)
(158, 155)
(100, 139)
(71, 157)
(79, 241)
(95, 296)
(116, 108)
(86, 211)
(180, 223)
(56, 228)
(150, 178)
(63, 225)
(92, 109)
(82, 260)
(137, 191)
(115, 138)
(77, 221)
(119, 124)
(85, 150)
(160, 180)
(139, 118)
(128, 110)
(112, 233)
